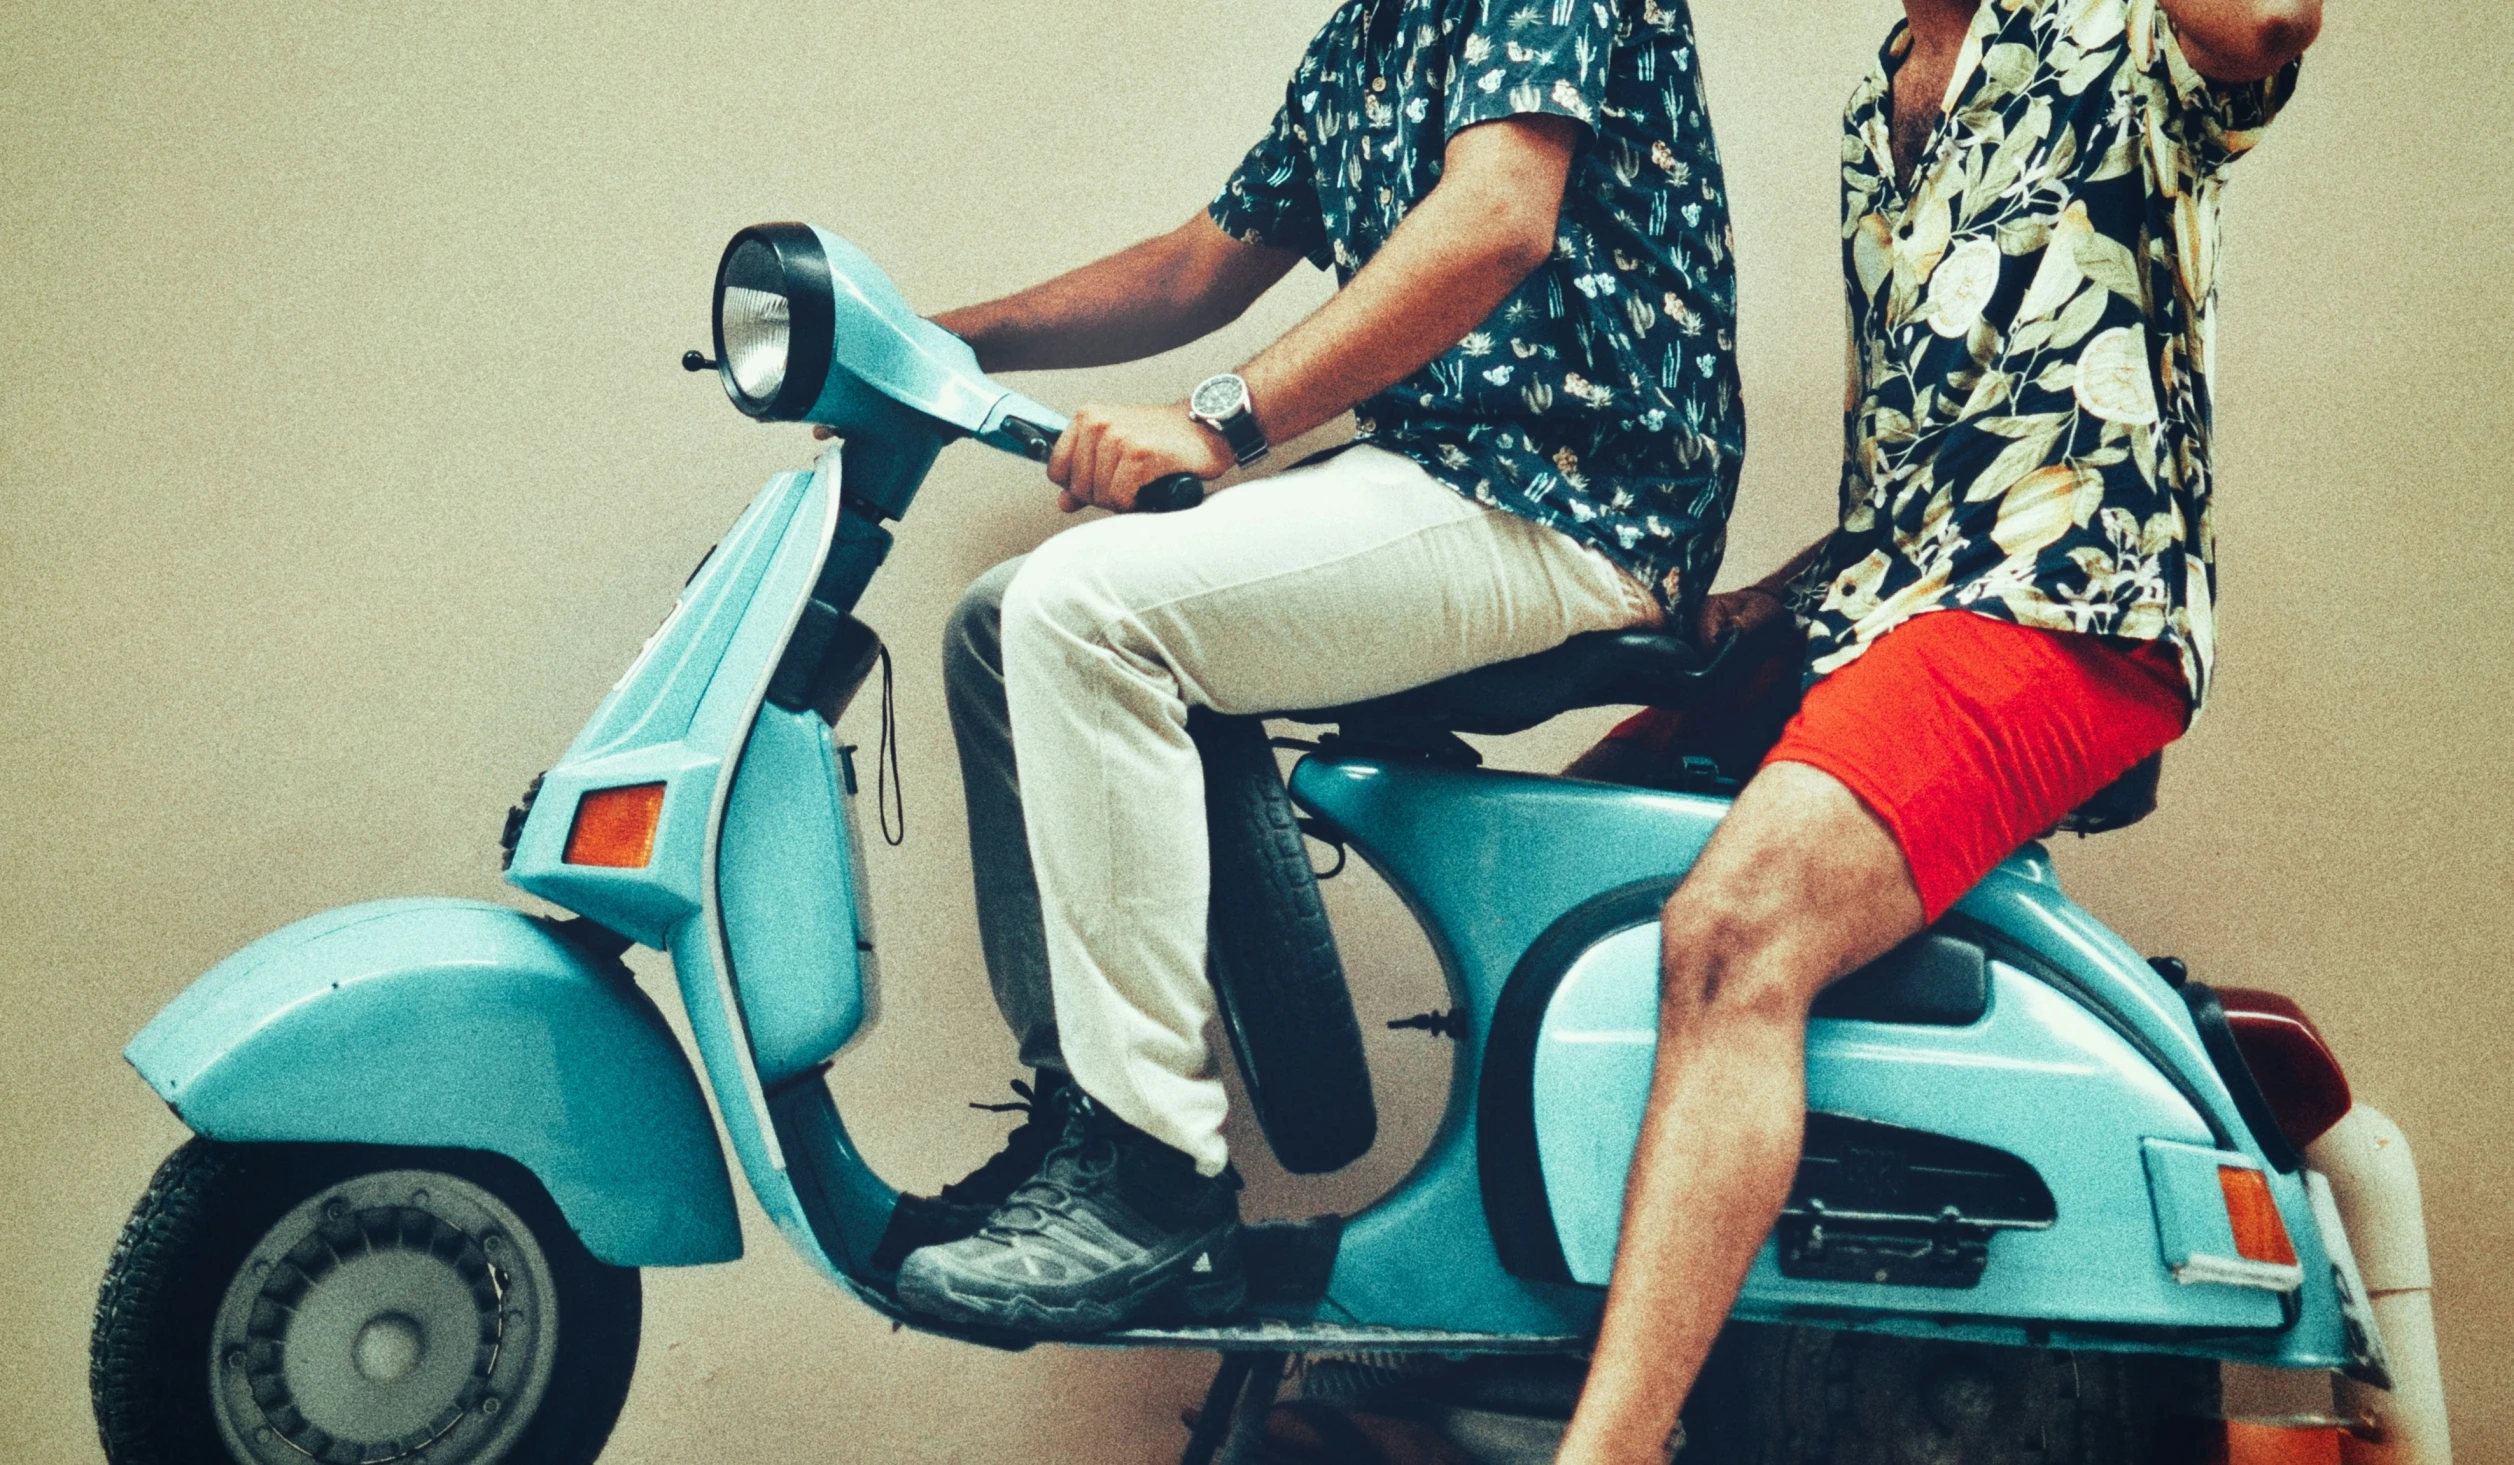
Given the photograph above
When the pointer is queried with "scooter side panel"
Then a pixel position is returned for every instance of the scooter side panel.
(445, 1023)
(1486, 861)
(787, 895)
(2022, 901)
(2038, 1078)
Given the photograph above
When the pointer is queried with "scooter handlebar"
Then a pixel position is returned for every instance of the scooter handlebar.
(1169, 495)
(1165, 495)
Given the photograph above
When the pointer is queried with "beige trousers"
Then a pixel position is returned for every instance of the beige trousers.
(1352, 578)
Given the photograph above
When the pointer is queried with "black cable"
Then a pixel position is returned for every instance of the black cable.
(886, 783)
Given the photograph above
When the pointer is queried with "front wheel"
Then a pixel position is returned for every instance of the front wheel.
(274, 1305)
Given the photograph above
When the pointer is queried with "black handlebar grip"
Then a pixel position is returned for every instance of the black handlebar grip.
(1168, 495)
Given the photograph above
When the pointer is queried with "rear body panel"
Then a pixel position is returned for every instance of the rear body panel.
(2083, 1056)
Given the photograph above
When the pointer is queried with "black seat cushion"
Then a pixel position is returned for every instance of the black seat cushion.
(1736, 700)
(1598, 669)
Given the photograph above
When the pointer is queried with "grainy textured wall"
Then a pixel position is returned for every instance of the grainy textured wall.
(343, 461)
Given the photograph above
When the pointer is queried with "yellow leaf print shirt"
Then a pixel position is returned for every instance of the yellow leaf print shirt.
(2031, 326)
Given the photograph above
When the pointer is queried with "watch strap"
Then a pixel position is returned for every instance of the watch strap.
(1247, 440)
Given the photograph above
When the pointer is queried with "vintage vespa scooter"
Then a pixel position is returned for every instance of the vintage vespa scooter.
(2049, 1184)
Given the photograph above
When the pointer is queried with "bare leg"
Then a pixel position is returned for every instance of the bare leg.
(1800, 886)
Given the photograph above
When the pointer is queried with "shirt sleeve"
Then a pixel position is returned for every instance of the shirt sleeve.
(1524, 56)
(1272, 199)
(2215, 122)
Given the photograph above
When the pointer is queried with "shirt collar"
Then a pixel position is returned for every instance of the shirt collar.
(1987, 19)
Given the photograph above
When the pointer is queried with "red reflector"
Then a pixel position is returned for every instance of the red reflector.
(616, 827)
(2259, 1235)
(2307, 1092)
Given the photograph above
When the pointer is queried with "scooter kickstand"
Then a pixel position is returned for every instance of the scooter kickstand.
(1231, 1428)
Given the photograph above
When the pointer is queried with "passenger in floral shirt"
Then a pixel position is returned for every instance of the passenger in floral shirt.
(2015, 610)
(2034, 332)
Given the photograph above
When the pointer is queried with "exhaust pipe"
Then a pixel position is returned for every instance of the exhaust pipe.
(2374, 1183)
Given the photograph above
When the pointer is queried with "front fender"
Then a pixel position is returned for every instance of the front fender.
(449, 1023)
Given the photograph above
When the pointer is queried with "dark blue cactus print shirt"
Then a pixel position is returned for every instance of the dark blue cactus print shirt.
(1601, 398)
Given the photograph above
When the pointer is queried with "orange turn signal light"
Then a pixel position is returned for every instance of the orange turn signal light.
(616, 827)
(2254, 1443)
(2259, 1235)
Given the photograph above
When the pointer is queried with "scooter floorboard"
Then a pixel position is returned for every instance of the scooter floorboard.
(1257, 1331)
(1260, 1334)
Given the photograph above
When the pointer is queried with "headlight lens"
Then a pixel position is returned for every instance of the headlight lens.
(757, 322)
(773, 316)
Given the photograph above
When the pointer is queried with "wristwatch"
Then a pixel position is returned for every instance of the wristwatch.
(1221, 403)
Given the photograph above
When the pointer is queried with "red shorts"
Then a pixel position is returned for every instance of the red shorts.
(1968, 736)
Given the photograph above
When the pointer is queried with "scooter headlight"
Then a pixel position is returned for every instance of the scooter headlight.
(773, 320)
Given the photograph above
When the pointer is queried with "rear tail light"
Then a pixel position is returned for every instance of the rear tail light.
(2299, 1078)
(615, 827)
(2260, 1236)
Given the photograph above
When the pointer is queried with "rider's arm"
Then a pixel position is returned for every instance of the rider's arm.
(1486, 225)
(1748, 606)
(1478, 233)
(1778, 581)
(2237, 41)
(1141, 301)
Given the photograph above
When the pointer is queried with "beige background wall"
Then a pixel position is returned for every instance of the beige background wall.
(344, 460)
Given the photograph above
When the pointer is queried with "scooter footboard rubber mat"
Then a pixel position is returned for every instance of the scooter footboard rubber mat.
(1285, 1335)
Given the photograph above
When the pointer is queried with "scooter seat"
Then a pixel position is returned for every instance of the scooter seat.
(1598, 669)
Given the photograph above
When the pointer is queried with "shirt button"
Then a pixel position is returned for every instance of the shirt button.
(1379, 83)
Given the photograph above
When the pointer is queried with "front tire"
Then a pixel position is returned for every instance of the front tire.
(272, 1305)
(1808, 1396)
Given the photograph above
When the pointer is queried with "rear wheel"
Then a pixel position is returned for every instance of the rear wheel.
(273, 1305)
(1806, 1396)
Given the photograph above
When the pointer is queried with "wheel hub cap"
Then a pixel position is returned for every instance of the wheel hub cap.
(389, 1348)
(396, 1313)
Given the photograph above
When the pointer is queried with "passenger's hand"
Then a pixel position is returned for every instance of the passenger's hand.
(1740, 612)
(1109, 452)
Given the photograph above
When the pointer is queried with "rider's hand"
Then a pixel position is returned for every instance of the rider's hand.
(1110, 452)
(1736, 611)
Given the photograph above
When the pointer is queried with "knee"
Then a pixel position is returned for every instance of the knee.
(1060, 593)
(1722, 963)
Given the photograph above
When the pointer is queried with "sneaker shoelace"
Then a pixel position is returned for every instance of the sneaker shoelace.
(1018, 1145)
(1081, 1157)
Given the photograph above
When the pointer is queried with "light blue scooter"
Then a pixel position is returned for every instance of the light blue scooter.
(438, 1138)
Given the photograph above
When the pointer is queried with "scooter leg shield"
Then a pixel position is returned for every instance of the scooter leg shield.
(456, 1024)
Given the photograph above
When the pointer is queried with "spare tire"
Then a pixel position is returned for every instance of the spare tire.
(1272, 958)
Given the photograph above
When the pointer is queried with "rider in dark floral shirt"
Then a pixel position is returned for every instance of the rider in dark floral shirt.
(1602, 398)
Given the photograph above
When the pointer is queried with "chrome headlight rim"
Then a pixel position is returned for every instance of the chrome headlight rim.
(804, 279)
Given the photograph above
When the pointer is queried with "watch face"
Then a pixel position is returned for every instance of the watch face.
(1218, 396)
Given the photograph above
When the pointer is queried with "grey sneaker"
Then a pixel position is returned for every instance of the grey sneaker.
(960, 1208)
(1116, 1229)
